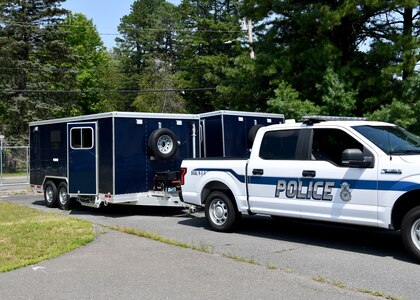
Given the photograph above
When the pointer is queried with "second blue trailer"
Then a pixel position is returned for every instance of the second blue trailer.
(227, 133)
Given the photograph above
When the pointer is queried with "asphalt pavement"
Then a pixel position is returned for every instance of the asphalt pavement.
(122, 266)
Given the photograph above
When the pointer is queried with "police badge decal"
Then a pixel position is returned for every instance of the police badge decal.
(345, 194)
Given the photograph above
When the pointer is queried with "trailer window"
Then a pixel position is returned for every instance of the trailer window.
(55, 139)
(81, 138)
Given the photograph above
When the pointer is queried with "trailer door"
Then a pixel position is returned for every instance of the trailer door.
(82, 158)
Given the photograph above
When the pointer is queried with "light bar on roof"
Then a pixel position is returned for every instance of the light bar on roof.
(314, 119)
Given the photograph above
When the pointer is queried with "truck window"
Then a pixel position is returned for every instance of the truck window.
(329, 144)
(391, 139)
(279, 145)
(81, 138)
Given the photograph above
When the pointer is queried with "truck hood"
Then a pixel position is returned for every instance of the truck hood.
(415, 159)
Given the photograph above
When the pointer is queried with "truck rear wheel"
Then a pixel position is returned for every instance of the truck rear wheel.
(221, 212)
(50, 194)
(410, 232)
(64, 200)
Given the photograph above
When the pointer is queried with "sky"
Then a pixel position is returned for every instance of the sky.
(106, 15)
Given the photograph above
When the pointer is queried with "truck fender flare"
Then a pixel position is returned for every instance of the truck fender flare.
(217, 181)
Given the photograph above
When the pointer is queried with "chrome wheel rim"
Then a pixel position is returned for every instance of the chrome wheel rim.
(218, 211)
(415, 233)
(63, 196)
(49, 194)
(165, 144)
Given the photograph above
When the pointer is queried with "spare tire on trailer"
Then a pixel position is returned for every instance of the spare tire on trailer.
(162, 144)
(252, 133)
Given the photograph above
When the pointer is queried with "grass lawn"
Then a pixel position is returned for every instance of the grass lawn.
(18, 174)
(28, 236)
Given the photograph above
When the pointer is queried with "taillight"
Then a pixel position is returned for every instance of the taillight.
(183, 172)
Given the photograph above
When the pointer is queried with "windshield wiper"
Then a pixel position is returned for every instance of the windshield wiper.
(406, 151)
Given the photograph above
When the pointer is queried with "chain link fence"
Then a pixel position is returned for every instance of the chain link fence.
(14, 165)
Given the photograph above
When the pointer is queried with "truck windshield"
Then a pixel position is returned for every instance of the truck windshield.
(391, 139)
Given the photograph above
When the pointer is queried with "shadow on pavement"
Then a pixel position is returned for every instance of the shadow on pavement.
(373, 241)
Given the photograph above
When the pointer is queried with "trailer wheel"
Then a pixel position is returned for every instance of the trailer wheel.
(50, 194)
(64, 199)
(221, 212)
(410, 232)
(162, 143)
(252, 133)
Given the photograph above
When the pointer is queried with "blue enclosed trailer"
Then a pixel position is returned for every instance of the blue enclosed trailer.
(129, 158)
(231, 133)
(111, 157)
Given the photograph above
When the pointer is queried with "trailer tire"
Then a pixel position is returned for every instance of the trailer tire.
(50, 194)
(252, 133)
(221, 212)
(410, 232)
(64, 200)
(162, 144)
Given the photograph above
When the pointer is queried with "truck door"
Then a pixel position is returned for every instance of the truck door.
(82, 158)
(335, 192)
(275, 172)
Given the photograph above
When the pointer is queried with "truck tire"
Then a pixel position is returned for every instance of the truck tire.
(410, 232)
(252, 133)
(163, 144)
(64, 200)
(221, 212)
(50, 194)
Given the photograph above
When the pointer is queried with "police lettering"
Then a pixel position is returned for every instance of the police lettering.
(317, 190)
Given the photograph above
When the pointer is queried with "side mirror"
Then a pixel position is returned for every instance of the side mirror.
(354, 158)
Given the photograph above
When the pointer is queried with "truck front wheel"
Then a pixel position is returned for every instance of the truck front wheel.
(221, 212)
(410, 232)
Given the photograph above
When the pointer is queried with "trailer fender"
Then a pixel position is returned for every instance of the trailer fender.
(162, 144)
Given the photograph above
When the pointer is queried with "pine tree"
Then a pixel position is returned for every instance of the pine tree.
(146, 39)
(92, 62)
(33, 57)
(372, 46)
(209, 39)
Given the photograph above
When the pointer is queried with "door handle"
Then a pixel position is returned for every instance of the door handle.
(258, 171)
(307, 173)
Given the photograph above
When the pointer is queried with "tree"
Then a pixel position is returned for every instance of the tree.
(287, 101)
(161, 97)
(208, 41)
(337, 100)
(371, 45)
(92, 61)
(33, 57)
(147, 38)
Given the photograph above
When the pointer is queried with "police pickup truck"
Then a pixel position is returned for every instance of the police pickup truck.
(346, 170)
